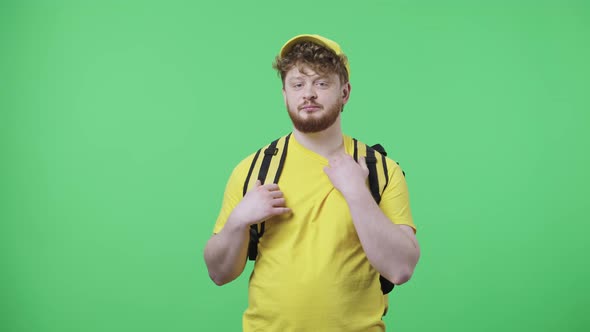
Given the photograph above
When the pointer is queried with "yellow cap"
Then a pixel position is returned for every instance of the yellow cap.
(315, 39)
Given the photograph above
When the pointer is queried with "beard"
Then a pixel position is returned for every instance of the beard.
(317, 121)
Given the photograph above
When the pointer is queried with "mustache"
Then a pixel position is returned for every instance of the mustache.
(309, 104)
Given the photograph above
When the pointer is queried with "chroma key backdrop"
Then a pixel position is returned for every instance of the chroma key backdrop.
(121, 121)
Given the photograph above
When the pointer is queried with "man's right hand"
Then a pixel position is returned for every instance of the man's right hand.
(260, 203)
(226, 251)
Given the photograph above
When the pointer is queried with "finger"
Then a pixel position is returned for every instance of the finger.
(271, 186)
(256, 185)
(278, 202)
(276, 194)
(280, 210)
(327, 170)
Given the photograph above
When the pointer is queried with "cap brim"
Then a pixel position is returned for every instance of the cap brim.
(301, 38)
(325, 42)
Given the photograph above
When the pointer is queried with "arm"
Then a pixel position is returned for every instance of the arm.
(226, 252)
(392, 249)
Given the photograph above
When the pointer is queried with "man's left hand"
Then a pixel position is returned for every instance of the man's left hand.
(348, 176)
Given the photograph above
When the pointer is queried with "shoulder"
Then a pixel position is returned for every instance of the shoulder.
(242, 169)
(383, 155)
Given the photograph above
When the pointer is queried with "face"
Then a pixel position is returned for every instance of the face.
(314, 100)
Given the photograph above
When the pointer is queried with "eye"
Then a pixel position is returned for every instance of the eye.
(297, 85)
(322, 84)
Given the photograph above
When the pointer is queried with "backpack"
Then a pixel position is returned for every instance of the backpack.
(270, 167)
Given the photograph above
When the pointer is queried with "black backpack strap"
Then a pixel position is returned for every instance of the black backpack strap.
(385, 171)
(381, 150)
(266, 168)
(253, 228)
(282, 161)
(375, 187)
(269, 152)
(355, 153)
(245, 189)
(253, 244)
(386, 285)
(373, 176)
(255, 234)
(403, 172)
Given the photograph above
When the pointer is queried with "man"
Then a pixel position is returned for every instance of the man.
(326, 240)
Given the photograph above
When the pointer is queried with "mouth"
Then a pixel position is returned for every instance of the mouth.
(310, 108)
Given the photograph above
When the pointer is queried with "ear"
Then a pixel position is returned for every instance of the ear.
(346, 92)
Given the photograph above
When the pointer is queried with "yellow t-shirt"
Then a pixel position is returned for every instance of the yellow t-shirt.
(311, 273)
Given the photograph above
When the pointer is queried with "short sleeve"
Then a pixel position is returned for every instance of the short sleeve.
(233, 193)
(395, 201)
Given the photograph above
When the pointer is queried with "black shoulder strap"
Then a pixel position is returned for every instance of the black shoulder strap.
(371, 160)
(282, 161)
(355, 153)
(373, 176)
(263, 171)
(375, 188)
(245, 189)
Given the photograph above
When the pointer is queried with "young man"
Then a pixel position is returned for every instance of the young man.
(326, 240)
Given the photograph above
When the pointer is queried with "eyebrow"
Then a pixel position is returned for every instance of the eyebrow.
(314, 77)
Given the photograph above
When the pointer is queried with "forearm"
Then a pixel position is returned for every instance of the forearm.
(225, 253)
(391, 251)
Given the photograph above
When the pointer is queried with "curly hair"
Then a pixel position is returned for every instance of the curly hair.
(321, 59)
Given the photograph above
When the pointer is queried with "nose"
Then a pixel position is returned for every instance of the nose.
(309, 93)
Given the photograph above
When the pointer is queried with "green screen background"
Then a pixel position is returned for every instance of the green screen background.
(121, 121)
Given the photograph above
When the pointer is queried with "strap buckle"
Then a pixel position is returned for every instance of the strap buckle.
(370, 159)
(271, 152)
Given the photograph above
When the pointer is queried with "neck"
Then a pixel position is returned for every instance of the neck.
(326, 143)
